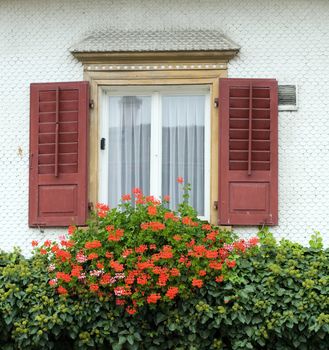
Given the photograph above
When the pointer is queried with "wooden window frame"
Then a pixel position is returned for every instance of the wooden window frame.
(138, 70)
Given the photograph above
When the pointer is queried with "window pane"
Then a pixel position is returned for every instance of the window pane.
(183, 124)
(129, 145)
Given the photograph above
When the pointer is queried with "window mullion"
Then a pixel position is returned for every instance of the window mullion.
(156, 139)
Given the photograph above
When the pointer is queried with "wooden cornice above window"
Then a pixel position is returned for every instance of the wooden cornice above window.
(162, 47)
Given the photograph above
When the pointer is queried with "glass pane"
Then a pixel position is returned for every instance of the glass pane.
(129, 145)
(183, 155)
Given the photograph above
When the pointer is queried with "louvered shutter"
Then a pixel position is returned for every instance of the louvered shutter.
(58, 154)
(248, 164)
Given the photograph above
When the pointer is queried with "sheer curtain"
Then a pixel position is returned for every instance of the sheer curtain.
(183, 153)
(129, 145)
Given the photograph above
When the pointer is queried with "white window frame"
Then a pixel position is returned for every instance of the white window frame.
(156, 134)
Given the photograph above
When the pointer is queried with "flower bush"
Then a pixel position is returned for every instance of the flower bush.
(276, 298)
(142, 252)
(144, 277)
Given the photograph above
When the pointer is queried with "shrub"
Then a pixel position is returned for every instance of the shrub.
(276, 297)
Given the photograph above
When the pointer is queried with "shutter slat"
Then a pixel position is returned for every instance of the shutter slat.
(58, 200)
(248, 173)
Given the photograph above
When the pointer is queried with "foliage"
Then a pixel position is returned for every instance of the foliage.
(276, 297)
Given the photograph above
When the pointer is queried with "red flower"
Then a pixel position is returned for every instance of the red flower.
(189, 222)
(120, 302)
(137, 191)
(152, 210)
(93, 244)
(180, 180)
(169, 215)
(253, 241)
(126, 197)
(212, 236)
(174, 272)
(52, 283)
(109, 255)
(117, 267)
(62, 290)
(202, 272)
(101, 206)
(197, 283)
(34, 243)
(230, 263)
(71, 229)
(127, 252)
(152, 199)
(153, 225)
(63, 276)
(211, 254)
(172, 292)
(153, 298)
(116, 236)
(177, 238)
(92, 256)
(131, 310)
(93, 287)
(62, 254)
(141, 249)
(153, 246)
(47, 243)
(163, 278)
(206, 227)
(215, 265)
(166, 198)
(100, 265)
(219, 278)
(43, 251)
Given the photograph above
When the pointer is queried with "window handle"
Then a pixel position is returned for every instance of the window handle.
(102, 143)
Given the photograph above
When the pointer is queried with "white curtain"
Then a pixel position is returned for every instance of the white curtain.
(183, 153)
(129, 145)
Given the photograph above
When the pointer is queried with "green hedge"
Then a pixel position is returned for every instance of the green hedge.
(278, 299)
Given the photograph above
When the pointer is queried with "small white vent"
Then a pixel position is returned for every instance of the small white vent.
(288, 97)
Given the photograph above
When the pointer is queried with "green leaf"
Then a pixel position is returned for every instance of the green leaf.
(160, 317)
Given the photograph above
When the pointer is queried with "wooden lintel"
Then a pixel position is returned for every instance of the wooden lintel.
(153, 57)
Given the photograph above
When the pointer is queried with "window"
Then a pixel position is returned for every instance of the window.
(131, 107)
(153, 134)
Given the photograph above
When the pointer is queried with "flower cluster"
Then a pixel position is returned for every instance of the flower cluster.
(141, 253)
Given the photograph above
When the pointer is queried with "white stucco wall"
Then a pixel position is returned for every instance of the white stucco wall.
(287, 40)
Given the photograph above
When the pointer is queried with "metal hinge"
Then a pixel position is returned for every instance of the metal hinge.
(91, 104)
(215, 205)
(90, 206)
(216, 102)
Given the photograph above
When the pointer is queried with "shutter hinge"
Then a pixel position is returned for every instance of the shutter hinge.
(215, 206)
(90, 206)
(216, 102)
(91, 104)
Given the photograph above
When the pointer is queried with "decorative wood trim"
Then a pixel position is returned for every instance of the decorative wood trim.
(98, 79)
(154, 57)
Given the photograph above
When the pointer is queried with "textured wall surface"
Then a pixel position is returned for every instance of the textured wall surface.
(287, 40)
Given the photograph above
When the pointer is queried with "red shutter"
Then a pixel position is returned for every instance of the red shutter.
(248, 164)
(58, 154)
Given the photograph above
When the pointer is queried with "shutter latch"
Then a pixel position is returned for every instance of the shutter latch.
(215, 206)
(216, 102)
(91, 104)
